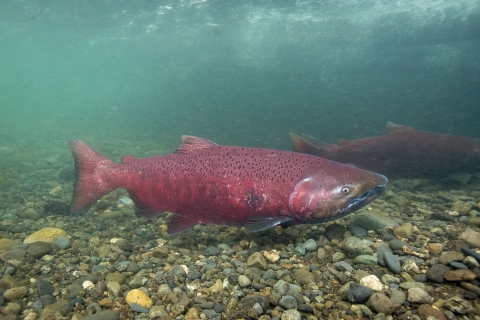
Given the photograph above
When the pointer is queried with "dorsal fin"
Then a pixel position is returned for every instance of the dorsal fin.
(191, 143)
(342, 142)
(316, 142)
(128, 158)
(393, 128)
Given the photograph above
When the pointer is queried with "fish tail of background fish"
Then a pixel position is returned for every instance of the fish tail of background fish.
(300, 144)
(94, 177)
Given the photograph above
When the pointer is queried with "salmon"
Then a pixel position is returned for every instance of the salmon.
(202, 182)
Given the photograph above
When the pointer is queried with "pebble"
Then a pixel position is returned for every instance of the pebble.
(380, 303)
(288, 302)
(310, 245)
(337, 256)
(62, 242)
(39, 249)
(303, 276)
(343, 266)
(365, 259)
(212, 251)
(243, 281)
(381, 253)
(392, 262)
(103, 315)
(403, 231)
(396, 244)
(335, 231)
(139, 297)
(397, 297)
(471, 236)
(218, 308)
(458, 265)
(449, 256)
(358, 231)
(257, 260)
(138, 308)
(15, 254)
(417, 295)
(358, 293)
(291, 315)
(16, 293)
(250, 301)
(300, 250)
(436, 273)
(372, 221)
(460, 275)
(272, 255)
(372, 282)
(471, 253)
(354, 247)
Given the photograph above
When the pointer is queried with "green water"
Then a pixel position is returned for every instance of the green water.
(142, 73)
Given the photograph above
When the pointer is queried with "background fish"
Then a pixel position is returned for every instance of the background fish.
(402, 153)
(208, 183)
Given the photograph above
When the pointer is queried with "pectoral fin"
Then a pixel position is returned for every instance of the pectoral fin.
(262, 223)
(180, 223)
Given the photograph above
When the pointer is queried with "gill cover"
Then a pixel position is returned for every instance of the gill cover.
(302, 195)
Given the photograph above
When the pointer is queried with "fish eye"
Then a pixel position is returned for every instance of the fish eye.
(345, 190)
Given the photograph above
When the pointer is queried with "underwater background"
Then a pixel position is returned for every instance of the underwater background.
(144, 73)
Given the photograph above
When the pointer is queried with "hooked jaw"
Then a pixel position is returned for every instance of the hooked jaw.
(312, 205)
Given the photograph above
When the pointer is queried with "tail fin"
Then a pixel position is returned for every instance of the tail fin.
(92, 178)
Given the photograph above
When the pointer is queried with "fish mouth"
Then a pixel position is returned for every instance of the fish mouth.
(364, 199)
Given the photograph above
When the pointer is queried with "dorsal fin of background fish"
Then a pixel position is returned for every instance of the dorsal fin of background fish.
(191, 143)
(392, 128)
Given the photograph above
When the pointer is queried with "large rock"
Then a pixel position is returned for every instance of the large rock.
(372, 221)
(472, 237)
(354, 246)
(45, 235)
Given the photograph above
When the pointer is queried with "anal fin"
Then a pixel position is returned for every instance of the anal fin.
(263, 223)
(180, 223)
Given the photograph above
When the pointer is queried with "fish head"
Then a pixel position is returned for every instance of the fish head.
(333, 191)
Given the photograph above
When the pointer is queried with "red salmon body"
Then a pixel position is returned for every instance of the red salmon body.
(208, 183)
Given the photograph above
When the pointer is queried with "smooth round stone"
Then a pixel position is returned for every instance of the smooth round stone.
(381, 253)
(396, 244)
(62, 242)
(310, 245)
(358, 231)
(138, 308)
(471, 253)
(288, 302)
(212, 251)
(218, 308)
(305, 308)
(392, 262)
(458, 265)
